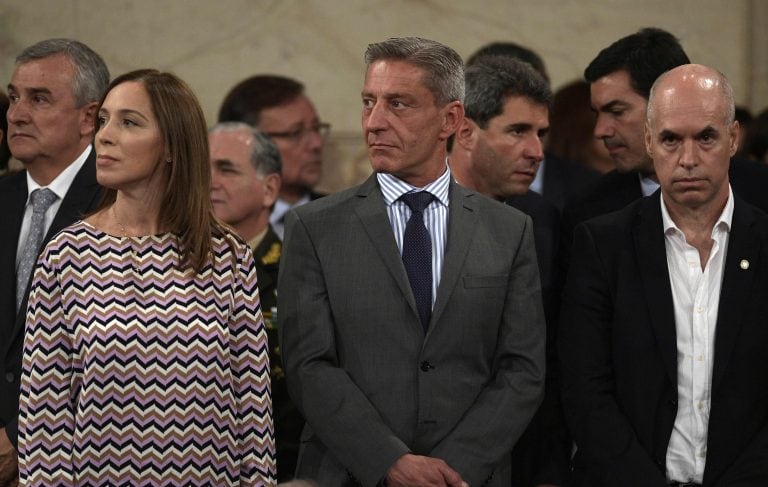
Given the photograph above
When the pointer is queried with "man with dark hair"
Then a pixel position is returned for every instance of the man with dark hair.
(278, 107)
(664, 336)
(621, 77)
(555, 179)
(514, 51)
(410, 311)
(497, 150)
(54, 94)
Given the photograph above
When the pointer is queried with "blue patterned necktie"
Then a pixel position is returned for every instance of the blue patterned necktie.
(417, 254)
(42, 199)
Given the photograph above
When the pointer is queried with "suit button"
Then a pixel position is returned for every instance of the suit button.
(673, 403)
(425, 366)
(10, 377)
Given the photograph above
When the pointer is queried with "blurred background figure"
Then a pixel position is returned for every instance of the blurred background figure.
(571, 127)
(756, 142)
(278, 107)
(744, 117)
(245, 181)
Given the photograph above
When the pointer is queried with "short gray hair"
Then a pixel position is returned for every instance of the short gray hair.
(265, 156)
(91, 74)
(492, 79)
(443, 67)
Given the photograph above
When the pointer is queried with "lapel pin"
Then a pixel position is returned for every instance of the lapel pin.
(744, 264)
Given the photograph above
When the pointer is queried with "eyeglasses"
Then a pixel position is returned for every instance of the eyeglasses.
(300, 135)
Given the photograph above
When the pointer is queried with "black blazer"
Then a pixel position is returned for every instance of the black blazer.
(564, 178)
(619, 358)
(82, 197)
(543, 453)
(615, 190)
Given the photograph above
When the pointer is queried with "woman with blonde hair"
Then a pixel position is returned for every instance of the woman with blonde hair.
(145, 357)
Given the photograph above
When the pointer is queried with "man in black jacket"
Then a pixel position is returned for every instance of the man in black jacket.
(54, 92)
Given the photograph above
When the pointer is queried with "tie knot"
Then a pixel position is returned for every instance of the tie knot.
(42, 199)
(417, 201)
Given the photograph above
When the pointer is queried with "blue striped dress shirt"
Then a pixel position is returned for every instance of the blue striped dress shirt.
(435, 215)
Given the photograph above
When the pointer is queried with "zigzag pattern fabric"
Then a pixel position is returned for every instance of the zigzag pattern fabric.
(138, 373)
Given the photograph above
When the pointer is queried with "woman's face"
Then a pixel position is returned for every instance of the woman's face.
(129, 145)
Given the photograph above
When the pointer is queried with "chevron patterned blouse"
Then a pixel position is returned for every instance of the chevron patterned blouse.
(138, 373)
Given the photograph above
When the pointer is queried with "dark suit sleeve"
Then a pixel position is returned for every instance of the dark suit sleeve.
(331, 402)
(608, 448)
(505, 406)
(751, 468)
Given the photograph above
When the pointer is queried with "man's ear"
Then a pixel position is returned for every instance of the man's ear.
(466, 135)
(733, 131)
(453, 114)
(88, 119)
(272, 183)
(647, 139)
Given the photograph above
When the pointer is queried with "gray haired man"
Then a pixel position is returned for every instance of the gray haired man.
(54, 94)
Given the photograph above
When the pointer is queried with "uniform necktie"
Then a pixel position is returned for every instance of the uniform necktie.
(42, 199)
(417, 254)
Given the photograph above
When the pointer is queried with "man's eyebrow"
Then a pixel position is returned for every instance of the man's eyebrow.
(668, 133)
(611, 105)
(223, 163)
(32, 90)
(708, 130)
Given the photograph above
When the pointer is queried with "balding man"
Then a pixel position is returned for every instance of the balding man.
(663, 336)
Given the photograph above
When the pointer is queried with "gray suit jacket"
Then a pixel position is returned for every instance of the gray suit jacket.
(371, 385)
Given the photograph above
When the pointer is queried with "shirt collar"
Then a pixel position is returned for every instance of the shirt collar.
(255, 241)
(647, 185)
(724, 222)
(393, 188)
(282, 206)
(60, 185)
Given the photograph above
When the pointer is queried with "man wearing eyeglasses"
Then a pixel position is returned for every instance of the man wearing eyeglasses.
(278, 107)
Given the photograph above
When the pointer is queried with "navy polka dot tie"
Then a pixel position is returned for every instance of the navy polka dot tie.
(417, 254)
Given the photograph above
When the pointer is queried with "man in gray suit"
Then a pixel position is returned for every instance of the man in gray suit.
(412, 333)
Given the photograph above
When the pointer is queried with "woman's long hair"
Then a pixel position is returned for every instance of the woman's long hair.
(185, 208)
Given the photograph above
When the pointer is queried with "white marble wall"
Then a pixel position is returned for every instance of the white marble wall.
(214, 44)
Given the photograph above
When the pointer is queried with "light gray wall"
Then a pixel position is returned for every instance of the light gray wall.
(214, 44)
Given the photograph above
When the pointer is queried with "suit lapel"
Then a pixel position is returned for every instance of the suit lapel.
(373, 216)
(743, 245)
(13, 198)
(81, 197)
(648, 236)
(462, 219)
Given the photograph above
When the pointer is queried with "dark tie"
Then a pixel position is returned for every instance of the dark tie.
(42, 199)
(417, 254)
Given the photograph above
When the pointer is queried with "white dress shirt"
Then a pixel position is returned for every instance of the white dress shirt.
(696, 298)
(60, 185)
(435, 215)
(277, 217)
